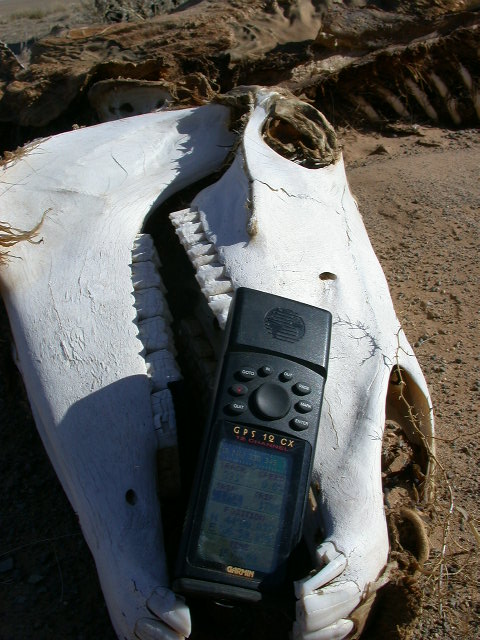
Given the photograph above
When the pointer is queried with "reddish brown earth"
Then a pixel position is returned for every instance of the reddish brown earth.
(419, 193)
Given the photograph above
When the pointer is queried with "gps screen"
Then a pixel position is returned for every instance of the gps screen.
(245, 507)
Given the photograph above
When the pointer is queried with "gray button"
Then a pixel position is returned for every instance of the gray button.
(266, 370)
(301, 389)
(299, 424)
(236, 407)
(303, 406)
(247, 373)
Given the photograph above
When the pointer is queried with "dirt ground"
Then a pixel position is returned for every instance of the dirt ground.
(22, 20)
(420, 197)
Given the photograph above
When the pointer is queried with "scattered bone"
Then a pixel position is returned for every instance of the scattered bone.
(469, 83)
(421, 98)
(367, 109)
(447, 96)
(394, 101)
(122, 98)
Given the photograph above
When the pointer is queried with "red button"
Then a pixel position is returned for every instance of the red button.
(238, 390)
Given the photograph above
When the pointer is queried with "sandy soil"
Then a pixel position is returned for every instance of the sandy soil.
(420, 198)
(22, 20)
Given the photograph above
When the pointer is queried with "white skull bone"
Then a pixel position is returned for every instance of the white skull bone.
(268, 223)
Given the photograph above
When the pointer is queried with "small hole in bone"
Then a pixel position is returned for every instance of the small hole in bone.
(326, 275)
(131, 497)
(126, 107)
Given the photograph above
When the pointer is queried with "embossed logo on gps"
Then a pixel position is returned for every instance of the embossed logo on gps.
(284, 324)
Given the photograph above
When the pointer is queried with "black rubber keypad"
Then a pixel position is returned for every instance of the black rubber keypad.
(272, 391)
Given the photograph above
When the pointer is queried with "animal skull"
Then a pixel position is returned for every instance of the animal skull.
(90, 325)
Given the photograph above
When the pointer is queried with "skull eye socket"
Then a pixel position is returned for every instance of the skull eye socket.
(300, 133)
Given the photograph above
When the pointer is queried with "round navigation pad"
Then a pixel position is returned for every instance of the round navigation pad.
(271, 401)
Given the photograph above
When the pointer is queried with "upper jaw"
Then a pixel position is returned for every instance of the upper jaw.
(73, 308)
(75, 301)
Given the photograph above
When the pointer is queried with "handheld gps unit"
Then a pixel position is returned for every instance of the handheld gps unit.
(247, 505)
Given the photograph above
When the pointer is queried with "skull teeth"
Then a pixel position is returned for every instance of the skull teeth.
(154, 332)
(220, 305)
(162, 369)
(150, 303)
(171, 609)
(144, 249)
(210, 273)
(325, 607)
(164, 418)
(145, 275)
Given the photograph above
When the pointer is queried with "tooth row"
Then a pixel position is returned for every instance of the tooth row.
(144, 249)
(210, 273)
(164, 418)
(162, 369)
(155, 334)
(145, 275)
(150, 303)
(220, 305)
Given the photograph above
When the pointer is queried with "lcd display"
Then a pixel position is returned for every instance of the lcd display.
(245, 507)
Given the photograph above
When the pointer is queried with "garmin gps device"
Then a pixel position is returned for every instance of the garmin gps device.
(250, 490)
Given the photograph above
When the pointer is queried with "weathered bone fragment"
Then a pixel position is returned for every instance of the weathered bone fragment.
(90, 323)
(114, 99)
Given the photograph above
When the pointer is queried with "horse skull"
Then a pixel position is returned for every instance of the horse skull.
(90, 325)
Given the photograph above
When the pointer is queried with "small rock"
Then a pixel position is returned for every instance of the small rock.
(428, 143)
(379, 150)
(35, 578)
